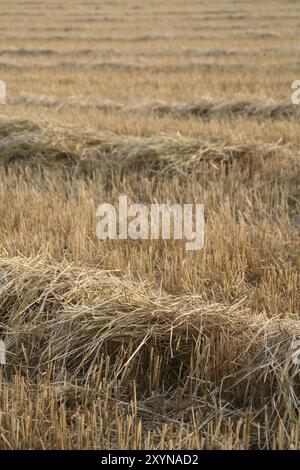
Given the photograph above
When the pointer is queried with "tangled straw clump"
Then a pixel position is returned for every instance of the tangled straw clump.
(74, 318)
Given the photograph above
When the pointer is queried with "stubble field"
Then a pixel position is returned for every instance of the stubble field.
(142, 344)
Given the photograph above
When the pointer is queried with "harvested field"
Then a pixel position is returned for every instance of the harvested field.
(141, 344)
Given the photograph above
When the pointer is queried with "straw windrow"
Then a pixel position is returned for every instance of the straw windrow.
(87, 151)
